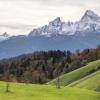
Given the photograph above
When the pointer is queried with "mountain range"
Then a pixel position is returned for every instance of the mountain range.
(81, 34)
(88, 23)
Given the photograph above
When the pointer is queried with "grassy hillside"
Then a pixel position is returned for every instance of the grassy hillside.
(45, 92)
(90, 82)
(78, 74)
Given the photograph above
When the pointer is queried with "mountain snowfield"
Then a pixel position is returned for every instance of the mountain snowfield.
(82, 34)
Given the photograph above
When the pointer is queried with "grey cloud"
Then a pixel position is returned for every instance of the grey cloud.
(18, 26)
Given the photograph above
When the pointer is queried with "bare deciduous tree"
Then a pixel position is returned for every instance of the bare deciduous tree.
(7, 79)
(58, 82)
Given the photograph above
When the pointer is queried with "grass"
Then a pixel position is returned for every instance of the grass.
(91, 82)
(78, 74)
(45, 92)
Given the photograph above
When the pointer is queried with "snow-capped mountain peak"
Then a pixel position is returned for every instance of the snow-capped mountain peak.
(56, 22)
(90, 22)
(4, 36)
(90, 15)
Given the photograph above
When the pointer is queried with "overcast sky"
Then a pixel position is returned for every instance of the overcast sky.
(21, 16)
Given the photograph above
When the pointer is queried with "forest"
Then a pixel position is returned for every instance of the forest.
(42, 66)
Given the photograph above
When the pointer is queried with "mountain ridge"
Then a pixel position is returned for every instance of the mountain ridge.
(89, 22)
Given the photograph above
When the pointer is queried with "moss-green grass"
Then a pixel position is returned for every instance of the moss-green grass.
(73, 76)
(91, 82)
(45, 92)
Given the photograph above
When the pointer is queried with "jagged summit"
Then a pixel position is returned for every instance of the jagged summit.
(89, 14)
(56, 21)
